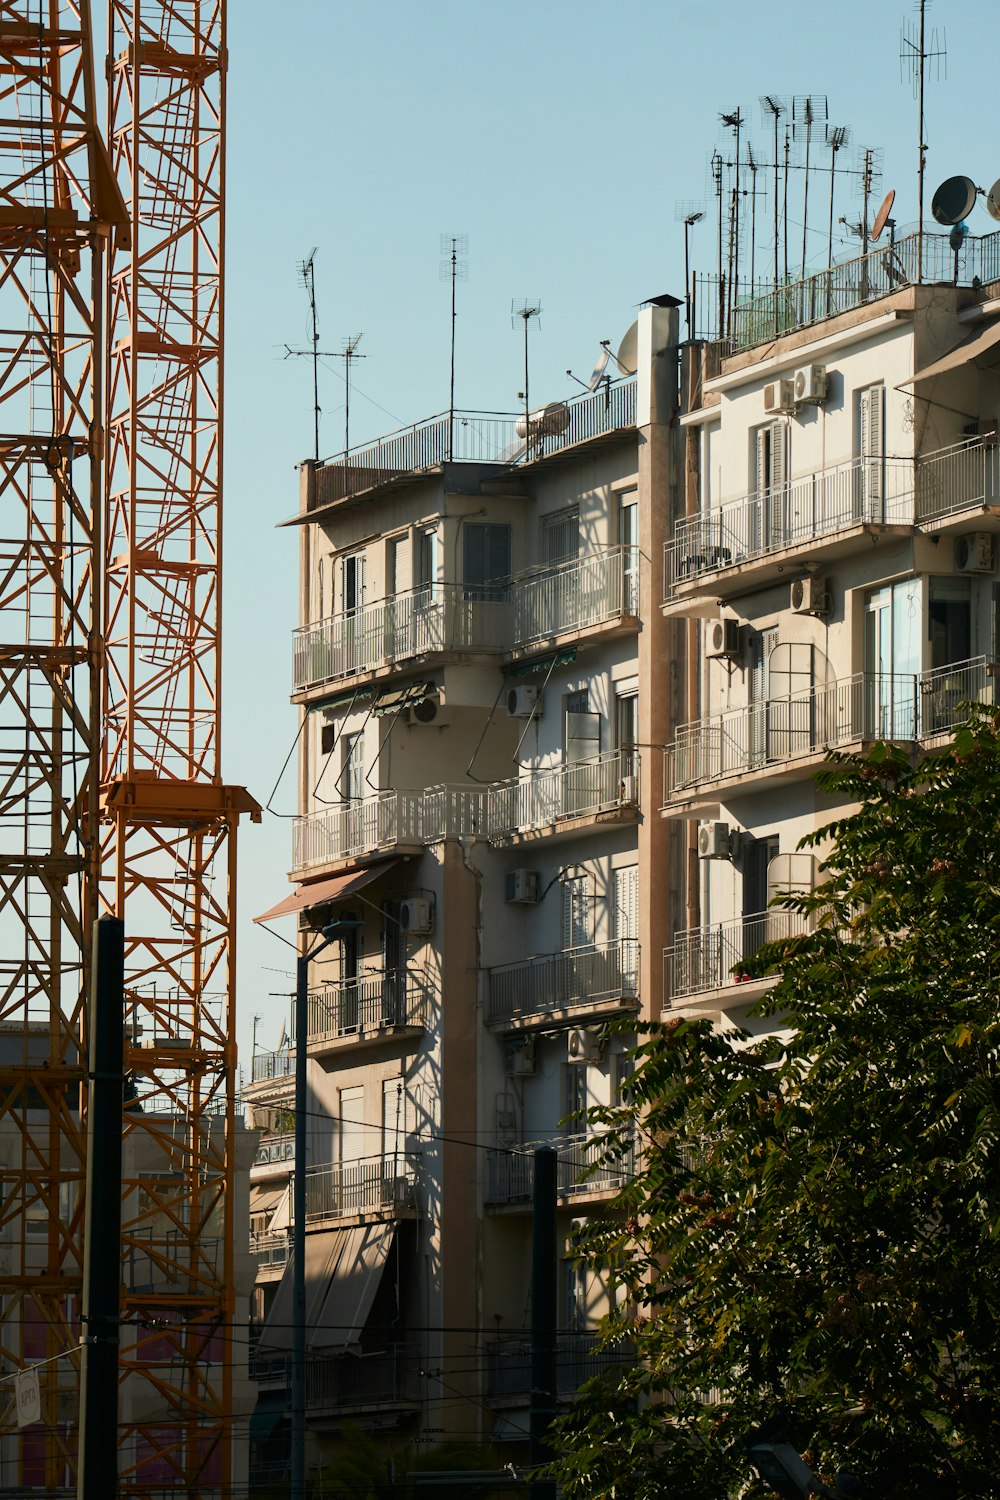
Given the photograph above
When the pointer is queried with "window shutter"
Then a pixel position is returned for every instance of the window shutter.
(627, 902)
(576, 913)
(763, 467)
(778, 465)
(400, 564)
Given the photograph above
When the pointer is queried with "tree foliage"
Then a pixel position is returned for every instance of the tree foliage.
(816, 1218)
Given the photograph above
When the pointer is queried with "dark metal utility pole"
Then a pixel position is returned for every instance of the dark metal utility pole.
(544, 1272)
(97, 1470)
(298, 1465)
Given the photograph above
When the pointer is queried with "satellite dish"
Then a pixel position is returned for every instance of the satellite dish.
(599, 369)
(883, 214)
(954, 200)
(993, 201)
(627, 358)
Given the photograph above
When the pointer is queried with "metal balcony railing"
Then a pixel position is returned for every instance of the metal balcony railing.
(601, 784)
(867, 706)
(374, 1184)
(703, 958)
(591, 590)
(268, 1065)
(877, 491)
(371, 1002)
(579, 1357)
(275, 1149)
(371, 1377)
(957, 478)
(553, 981)
(272, 1248)
(510, 1173)
(475, 437)
(441, 617)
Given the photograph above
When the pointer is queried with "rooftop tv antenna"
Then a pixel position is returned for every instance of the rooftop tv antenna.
(526, 309)
(307, 275)
(349, 353)
(774, 107)
(837, 137)
(916, 50)
(753, 167)
(734, 121)
(721, 283)
(454, 268)
(808, 111)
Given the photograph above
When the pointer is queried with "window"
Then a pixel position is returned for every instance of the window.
(574, 1296)
(626, 925)
(770, 458)
(576, 912)
(892, 657)
(353, 582)
(352, 1130)
(561, 536)
(574, 1097)
(352, 777)
(949, 620)
(583, 729)
(486, 559)
(627, 729)
(628, 539)
(399, 565)
(871, 448)
(427, 559)
(327, 738)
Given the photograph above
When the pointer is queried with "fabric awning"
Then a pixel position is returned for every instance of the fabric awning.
(394, 702)
(271, 1407)
(979, 348)
(541, 664)
(343, 1270)
(321, 892)
(263, 1199)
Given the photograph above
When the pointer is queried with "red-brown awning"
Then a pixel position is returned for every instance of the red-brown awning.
(321, 892)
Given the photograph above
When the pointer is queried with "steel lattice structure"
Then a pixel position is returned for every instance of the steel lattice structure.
(169, 849)
(58, 207)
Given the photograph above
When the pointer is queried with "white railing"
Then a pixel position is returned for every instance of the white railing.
(266, 1066)
(381, 820)
(442, 617)
(374, 1184)
(588, 591)
(272, 1248)
(876, 491)
(553, 981)
(511, 1172)
(703, 958)
(957, 478)
(867, 706)
(591, 590)
(601, 784)
(369, 1003)
(275, 1149)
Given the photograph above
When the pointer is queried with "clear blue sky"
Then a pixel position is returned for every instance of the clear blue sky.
(559, 135)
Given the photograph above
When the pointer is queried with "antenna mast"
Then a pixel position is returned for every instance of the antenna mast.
(347, 354)
(307, 271)
(530, 308)
(914, 53)
(808, 110)
(454, 268)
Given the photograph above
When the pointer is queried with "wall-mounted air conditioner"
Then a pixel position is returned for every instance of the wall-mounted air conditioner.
(416, 915)
(779, 396)
(524, 700)
(427, 711)
(520, 887)
(723, 640)
(714, 840)
(974, 553)
(582, 1045)
(520, 1057)
(809, 596)
(810, 385)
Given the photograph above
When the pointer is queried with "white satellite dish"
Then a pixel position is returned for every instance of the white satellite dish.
(599, 369)
(993, 201)
(627, 358)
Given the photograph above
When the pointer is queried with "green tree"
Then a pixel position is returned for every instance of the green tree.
(816, 1220)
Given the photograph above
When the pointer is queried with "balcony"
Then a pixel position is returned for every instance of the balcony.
(510, 1172)
(552, 984)
(956, 480)
(475, 437)
(269, 1066)
(272, 1248)
(275, 1152)
(595, 591)
(579, 1357)
(369, 1006)
(530, 805)
(812, 514)
(702, 959)
(770, 737)
(380, 1186)
(423, 623)
(376, 1377)
(606, 786)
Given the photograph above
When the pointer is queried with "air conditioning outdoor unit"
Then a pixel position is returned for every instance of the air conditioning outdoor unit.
(722, 642)
(520, 1057)
(416, 915)
(810, 385)
(520, 887)
(427, 711)
(582, 1045)
(713, 840)
(628, 793)
(809, 596)
(974, 553)
(779, 396)
(524, 700)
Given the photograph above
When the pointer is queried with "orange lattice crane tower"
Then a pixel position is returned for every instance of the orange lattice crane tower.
(59, 211)
(169, 849)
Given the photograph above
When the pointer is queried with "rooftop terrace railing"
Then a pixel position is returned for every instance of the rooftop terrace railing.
(476, 437)
(703, 958)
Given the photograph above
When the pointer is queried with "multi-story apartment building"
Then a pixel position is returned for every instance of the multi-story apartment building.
(837, 565)
(479, 791)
